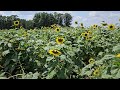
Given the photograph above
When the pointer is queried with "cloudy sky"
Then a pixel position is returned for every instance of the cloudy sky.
(86, 17)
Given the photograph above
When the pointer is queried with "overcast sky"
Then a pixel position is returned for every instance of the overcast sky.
(86, 17)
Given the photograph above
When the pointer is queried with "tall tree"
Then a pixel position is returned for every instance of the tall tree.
(67, 19)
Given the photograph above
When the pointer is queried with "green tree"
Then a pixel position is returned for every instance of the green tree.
(29, 24)
(67, 19)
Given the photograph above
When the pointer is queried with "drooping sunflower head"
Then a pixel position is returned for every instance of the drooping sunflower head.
(55, 52)
(81, 24)
(118, 55)
(57, 29)
(76, 22)
(91, 61)
(104, 24)
(16, 23)
(60, 40)
(111, 27)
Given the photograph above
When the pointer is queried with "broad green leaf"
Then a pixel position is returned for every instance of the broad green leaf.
(62, 57)
(116, 48)
(51, 74)
(107, 57)
(114, 71)
(118, 75)
(2, 74)
(61, 74)
(49, 58)
(35, 75)
(100, 53)
(106, 76)
(71, 53)
(46, 48)
(3, 77)
(5, 52)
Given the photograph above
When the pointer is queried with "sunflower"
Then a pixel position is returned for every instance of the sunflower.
(55, 52)
(21, 27)
(16, 23)
(96, 72)
(89, 32)
(95, 26)
(25, 34)
(85, 34)
(54, 26)
(111, 27)
(118, 55)
(91, 61)
(57, 29)
(76, 22)
(59, 40)
(88, 37)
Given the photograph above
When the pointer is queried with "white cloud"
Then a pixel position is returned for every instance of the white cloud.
(77, 18)
(15, 12)
(85, 19)
(2, 13)
(29, 17)
(92, 13)
(114, 14)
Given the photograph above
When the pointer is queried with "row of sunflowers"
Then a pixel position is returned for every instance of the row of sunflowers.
(61, 52)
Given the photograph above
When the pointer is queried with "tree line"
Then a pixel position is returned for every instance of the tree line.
(39, 20)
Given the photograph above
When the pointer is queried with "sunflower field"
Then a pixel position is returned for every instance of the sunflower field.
(60, 53)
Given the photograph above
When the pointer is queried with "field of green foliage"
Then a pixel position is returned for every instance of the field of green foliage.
(60, 53)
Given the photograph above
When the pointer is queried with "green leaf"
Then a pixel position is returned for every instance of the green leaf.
(100, 53)
(3, 78)
(2, 74)
(46, 48)
(61, 74)
(35, 75)
(9, 45)
(49, 58)
(62, 57)
(6, 63)
(5, 52)
(51, 74)
(114, 71)
(71, 53)
(38, 63)
(118, 75)
(107, 57)
(116, 48)
(88, 72)
(106, 76)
